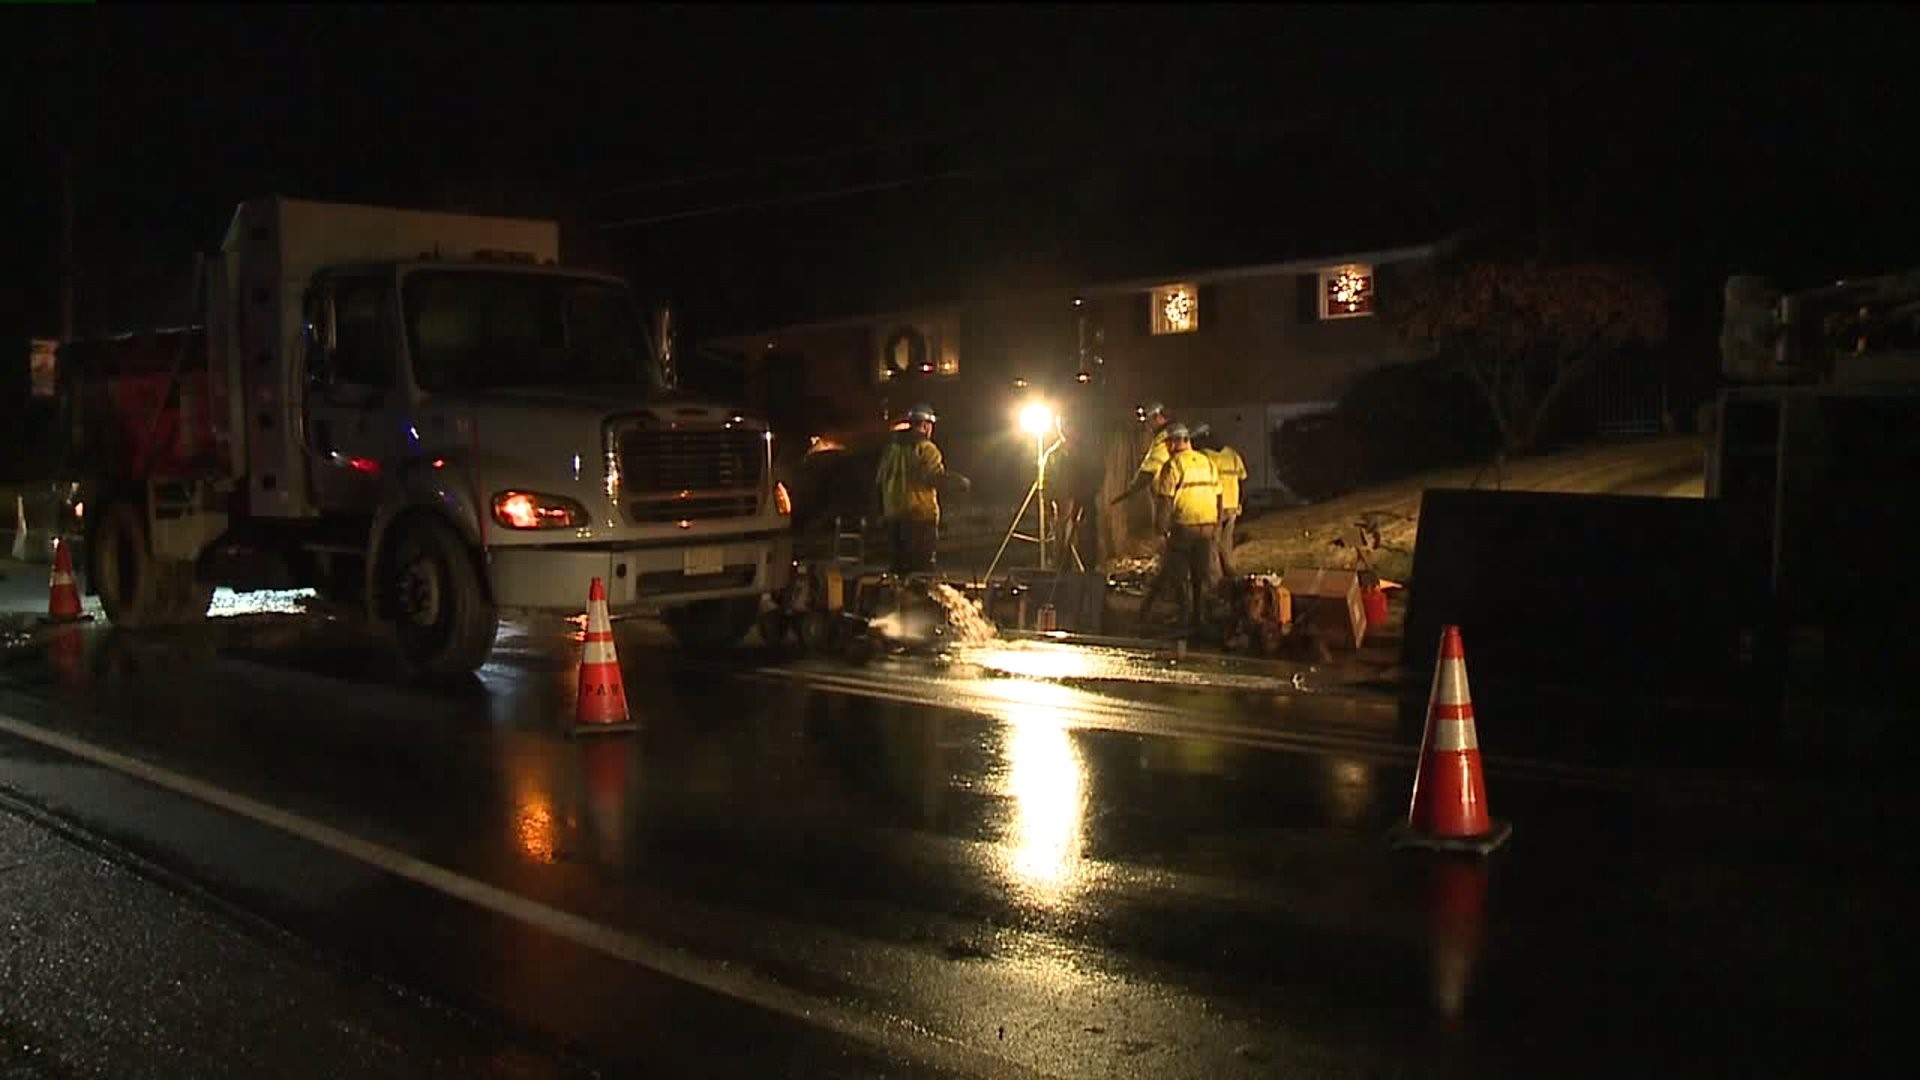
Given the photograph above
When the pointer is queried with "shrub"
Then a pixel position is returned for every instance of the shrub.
(1419, 416)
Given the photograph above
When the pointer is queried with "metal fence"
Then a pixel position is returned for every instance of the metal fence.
(1626, 394)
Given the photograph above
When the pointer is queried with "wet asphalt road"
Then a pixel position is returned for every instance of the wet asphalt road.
(1021, 861)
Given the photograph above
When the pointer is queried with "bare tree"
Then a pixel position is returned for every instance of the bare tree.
(1526, 332)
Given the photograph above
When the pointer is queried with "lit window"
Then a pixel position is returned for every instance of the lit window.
(1346, 292)
(919, 351)
(1176, 309)
(903, 353)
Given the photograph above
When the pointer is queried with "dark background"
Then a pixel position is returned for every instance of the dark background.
(765, 164)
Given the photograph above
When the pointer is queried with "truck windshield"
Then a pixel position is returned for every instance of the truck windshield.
(482, 330)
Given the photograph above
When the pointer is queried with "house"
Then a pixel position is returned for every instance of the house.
(1246, 348)
(1243, 284)
(1241, 347)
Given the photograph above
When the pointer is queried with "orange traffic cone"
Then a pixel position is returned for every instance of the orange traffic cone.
(63, 601)
(1449, 809)
(601, 706)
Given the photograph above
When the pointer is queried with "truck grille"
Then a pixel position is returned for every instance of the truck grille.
(691, 475)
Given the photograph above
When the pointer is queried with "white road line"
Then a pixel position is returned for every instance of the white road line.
(887, 1033)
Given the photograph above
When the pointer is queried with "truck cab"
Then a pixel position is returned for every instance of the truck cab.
(426, 416)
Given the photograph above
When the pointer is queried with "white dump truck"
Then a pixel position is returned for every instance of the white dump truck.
(422, 415)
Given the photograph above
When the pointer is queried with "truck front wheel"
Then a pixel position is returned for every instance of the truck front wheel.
(432, 593)
(138, 591)
(713, 624)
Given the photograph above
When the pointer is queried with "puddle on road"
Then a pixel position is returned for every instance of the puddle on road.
(14, 635)
(1098, 663)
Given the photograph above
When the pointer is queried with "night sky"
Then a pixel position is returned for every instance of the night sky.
(1710, 140)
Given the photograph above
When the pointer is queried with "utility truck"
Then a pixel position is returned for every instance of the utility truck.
(421, 415)
(1811, 449)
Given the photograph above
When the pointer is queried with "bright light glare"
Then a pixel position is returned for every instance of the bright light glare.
(520, 512)
(534, 829)
(227, 603)
(1036, 419)
(1037, 662)
(1045, 779)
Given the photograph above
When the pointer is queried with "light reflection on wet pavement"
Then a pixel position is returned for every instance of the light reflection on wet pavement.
(226, 603)
(1120, 862)
(1103, 664)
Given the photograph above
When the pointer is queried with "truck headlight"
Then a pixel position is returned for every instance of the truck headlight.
(782, 501)
(532, 510)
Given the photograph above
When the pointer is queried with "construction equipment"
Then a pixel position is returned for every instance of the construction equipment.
(1262, 614)
(862, 615)
(1790, 563)
(420, 415)
(1826, 400)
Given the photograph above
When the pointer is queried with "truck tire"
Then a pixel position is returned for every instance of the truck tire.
(137, 591)
(433, 596)
(774, 627)
(713, 624)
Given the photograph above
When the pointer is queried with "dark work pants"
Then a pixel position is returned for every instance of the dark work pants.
(1189, 559)
(911, 545)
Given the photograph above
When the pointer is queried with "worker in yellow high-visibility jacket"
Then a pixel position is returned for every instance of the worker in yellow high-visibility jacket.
(1156, 455)
(909, 480)
(1187, 511)
(1231, 468)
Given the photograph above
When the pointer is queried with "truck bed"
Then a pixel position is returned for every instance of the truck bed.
(135, 418)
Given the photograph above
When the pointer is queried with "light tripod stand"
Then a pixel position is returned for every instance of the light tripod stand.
(1040, 422)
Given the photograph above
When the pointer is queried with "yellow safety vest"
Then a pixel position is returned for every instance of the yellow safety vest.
(1189, 480)
(1157, 454)
(1231, 469)
(908, 471)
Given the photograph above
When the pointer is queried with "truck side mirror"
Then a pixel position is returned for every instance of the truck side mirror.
(661, 334)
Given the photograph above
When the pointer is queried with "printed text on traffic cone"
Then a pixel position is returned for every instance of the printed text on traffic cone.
(602, 702)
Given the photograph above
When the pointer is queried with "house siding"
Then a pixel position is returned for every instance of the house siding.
(1257, 342)
(1260, 346)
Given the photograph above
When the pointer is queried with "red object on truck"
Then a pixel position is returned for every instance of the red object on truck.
(150, 421)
